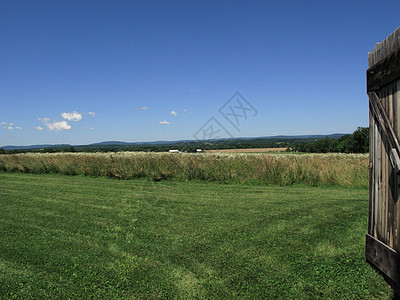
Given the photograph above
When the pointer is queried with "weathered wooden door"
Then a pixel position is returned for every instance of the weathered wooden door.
(383, 87)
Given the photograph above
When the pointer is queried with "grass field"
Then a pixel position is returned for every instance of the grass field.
(247, 150)
(84, 237)
(349, 170)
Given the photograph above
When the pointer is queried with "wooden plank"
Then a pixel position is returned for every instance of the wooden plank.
(384, 123)
(396, 99)
(387, 46)
(390, 173)
(384, 197)
(383, 83)
(389, 207)
(377, 179)
(379, 234)
(385, 167)
(371, 168)
(384, 72)
(384, 259)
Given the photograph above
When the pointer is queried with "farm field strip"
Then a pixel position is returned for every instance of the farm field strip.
(79, 237)
(257, 168)
(247, 150)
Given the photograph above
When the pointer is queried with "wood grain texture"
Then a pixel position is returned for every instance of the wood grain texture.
(383, 79)
(384, 72)
(384, 193)
(384, 48)
(382, 109)
(384, 259)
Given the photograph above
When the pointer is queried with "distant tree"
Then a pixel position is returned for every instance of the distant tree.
(68, 149)
(361, 140)
(358, 142)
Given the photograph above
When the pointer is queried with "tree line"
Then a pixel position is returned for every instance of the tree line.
(358, 142)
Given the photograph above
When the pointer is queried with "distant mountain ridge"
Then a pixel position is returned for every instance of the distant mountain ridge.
(119, 143)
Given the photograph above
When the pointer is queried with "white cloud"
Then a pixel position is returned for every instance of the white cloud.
(44, 120)
(174, 113)
(62, 125)
(90, 128)
(9, 126)
(163, 123)
(185, 110)
(141, 108)
(72, 116)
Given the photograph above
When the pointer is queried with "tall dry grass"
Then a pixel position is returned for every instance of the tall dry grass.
(281, 169)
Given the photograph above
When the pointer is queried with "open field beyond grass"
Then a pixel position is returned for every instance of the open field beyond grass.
(247, 150)
(82, 237)
(350, 170)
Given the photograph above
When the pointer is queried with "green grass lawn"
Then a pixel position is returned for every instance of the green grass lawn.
(82, 237)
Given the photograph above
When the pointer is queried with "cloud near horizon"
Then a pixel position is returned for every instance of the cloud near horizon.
(73, 116)
(174, 113)
(61, 125)
(163, 123)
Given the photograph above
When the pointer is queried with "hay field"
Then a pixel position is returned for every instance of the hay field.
(256, 168)
(248, 150)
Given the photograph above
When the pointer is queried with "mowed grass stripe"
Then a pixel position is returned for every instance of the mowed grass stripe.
(81, 237)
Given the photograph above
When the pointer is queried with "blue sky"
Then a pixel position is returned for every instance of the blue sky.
(80, 72)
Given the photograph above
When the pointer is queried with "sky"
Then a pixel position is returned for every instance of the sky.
(81, 72)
